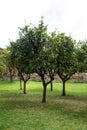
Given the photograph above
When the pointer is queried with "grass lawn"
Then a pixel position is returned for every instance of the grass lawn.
(27, 112)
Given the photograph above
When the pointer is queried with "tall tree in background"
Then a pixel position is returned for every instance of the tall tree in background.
(53, 53)
(66, 60)
(22, 54)
(2, 63)
(9, 63)
(82, 56)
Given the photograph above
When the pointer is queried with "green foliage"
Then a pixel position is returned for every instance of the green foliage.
(21, 52)
(36, 51)
(27, 47)
(2, 69)
(2, 63)
(82, 56)
(66, 60)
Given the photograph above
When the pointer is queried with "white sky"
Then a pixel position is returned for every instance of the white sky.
(69, 16)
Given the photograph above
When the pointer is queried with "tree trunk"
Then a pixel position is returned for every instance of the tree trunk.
(51, 86)
(24, 91)
(64, 92)
(44, 94)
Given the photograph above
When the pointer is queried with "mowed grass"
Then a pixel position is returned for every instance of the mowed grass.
(27, 112)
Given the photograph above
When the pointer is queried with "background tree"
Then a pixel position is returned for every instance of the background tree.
(66, 60)
(11, 71)
(82, 56)
(52, 54)
(21, 55)
(2, 63)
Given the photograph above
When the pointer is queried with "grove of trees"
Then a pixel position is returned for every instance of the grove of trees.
(47, 54)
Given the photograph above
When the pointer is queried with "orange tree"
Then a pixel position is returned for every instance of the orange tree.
(82, 56)
(42, 56)
(21, 55)
(45, 68)
(66, 58)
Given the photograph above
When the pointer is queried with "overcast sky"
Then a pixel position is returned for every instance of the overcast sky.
(68, 16)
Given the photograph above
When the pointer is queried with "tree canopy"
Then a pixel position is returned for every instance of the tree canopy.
(47, 54)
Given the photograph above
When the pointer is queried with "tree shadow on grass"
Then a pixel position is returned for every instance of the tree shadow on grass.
(70, 106)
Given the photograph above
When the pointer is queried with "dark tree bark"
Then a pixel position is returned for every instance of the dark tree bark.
(44, 94)
(63, 91)
(64, 78)
(24, 91)
(44, 88)
(51, 75)
(44, 83)
(24, 78)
